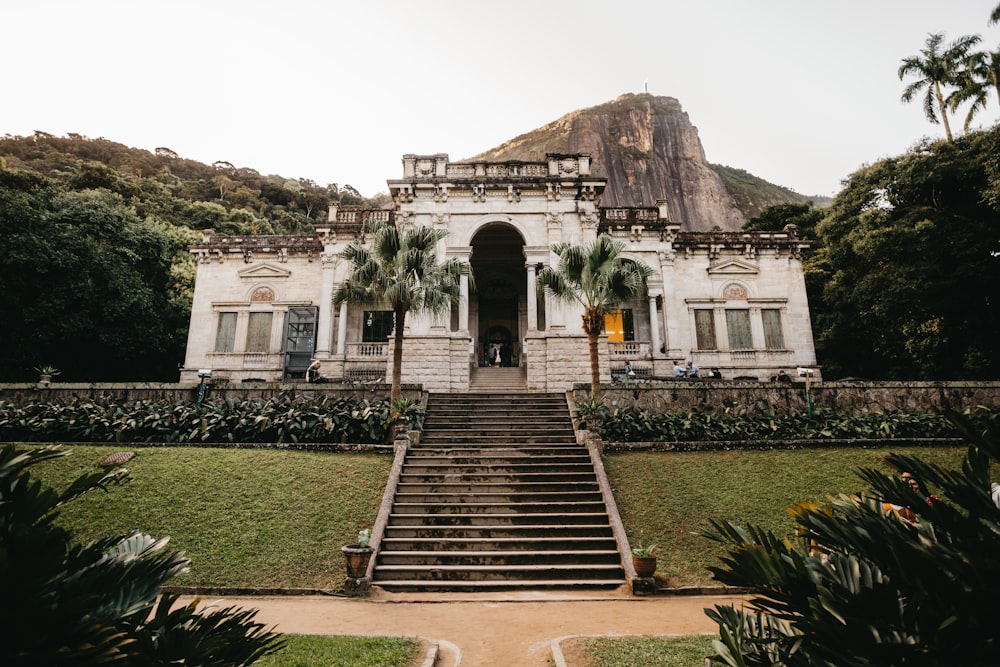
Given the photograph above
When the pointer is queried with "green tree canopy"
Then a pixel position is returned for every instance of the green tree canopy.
(910, 259)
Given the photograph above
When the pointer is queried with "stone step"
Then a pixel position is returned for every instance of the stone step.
(529, 572)
(416, 457)
(553, 557)
(526, 398)
(507, 488)
(493, 479)
(476, 499)
(494, 419)
(496, 520)
(500, 450)
(496, 445)
(506, 544)
(499, 507)
(460, 438)
(513, 469)
(469, 532)
(475, 586)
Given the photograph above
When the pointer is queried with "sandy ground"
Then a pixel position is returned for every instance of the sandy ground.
(486, 630)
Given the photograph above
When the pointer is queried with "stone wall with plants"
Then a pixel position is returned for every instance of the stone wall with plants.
(771, 397)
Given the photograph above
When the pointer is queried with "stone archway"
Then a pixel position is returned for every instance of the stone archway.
(497, 309)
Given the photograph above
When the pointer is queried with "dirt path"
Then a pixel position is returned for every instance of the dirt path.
(497, 631)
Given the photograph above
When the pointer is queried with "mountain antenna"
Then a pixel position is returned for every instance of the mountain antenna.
(645, 86)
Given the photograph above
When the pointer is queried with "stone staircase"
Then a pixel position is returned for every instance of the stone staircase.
(498, 496)
(498, 379)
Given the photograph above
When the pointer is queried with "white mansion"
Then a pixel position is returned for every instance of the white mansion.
(729, 300)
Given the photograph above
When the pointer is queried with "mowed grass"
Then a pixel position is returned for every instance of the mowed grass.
(665, 497)
(277, 518)
(340, 651)
(253, 518)
(684, 651)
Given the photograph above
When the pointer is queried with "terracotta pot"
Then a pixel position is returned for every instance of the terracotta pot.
(357, 558)
(644, 567)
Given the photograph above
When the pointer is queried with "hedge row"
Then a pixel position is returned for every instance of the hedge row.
(632, 424)
(280, 419)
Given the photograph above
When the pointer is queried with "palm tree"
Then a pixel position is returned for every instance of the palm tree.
(995, 16)
(979, 79)
(400, 270)
(935, 70)
(596, 277)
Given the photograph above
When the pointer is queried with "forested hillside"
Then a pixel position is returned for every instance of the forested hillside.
(96, 277)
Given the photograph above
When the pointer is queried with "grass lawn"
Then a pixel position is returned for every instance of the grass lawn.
(685, 651)
(339, 651)
(256, 518)
(277, 518)
(664, 497)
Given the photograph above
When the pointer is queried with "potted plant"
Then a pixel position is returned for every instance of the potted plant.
(404, 413)
(644, 560)
(590, 411)
(45, 373)
(358, 555)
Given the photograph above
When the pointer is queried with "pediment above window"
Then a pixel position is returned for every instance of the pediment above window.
(264, 272)
(734, 267)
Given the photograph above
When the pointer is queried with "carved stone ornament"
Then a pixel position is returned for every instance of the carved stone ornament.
(568, 166)
(425, 167)
(734, 291)
(262, 294)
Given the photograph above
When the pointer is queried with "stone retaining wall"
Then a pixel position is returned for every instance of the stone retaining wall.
(669, 396)
(765, 397)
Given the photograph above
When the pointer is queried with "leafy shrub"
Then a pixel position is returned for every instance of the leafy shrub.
(863, 586)
(633, 424)
(281, 419)
(99, 603)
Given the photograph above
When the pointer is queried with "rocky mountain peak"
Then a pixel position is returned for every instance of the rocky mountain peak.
(647, 148)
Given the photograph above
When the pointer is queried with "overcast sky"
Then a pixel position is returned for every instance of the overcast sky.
(798, 92)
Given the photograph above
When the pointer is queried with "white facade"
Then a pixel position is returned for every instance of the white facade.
(735, 301)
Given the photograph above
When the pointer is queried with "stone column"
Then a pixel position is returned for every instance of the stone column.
(325, 323)
(463, 304)
(654, 326)
(464, 254)
(342, 331)
(532, 299)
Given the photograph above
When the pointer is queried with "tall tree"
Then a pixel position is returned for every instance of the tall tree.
(979, 80)
(399, 270)
(936, 70)
(598, 278)
(911, 254)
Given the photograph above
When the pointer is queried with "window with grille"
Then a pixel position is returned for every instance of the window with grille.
(377, 326)
(225, 335)
(259, 332)
(738, 327)
(704, 325)
(774, 339)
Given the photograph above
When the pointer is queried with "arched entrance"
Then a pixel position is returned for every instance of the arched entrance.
(497, 308)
